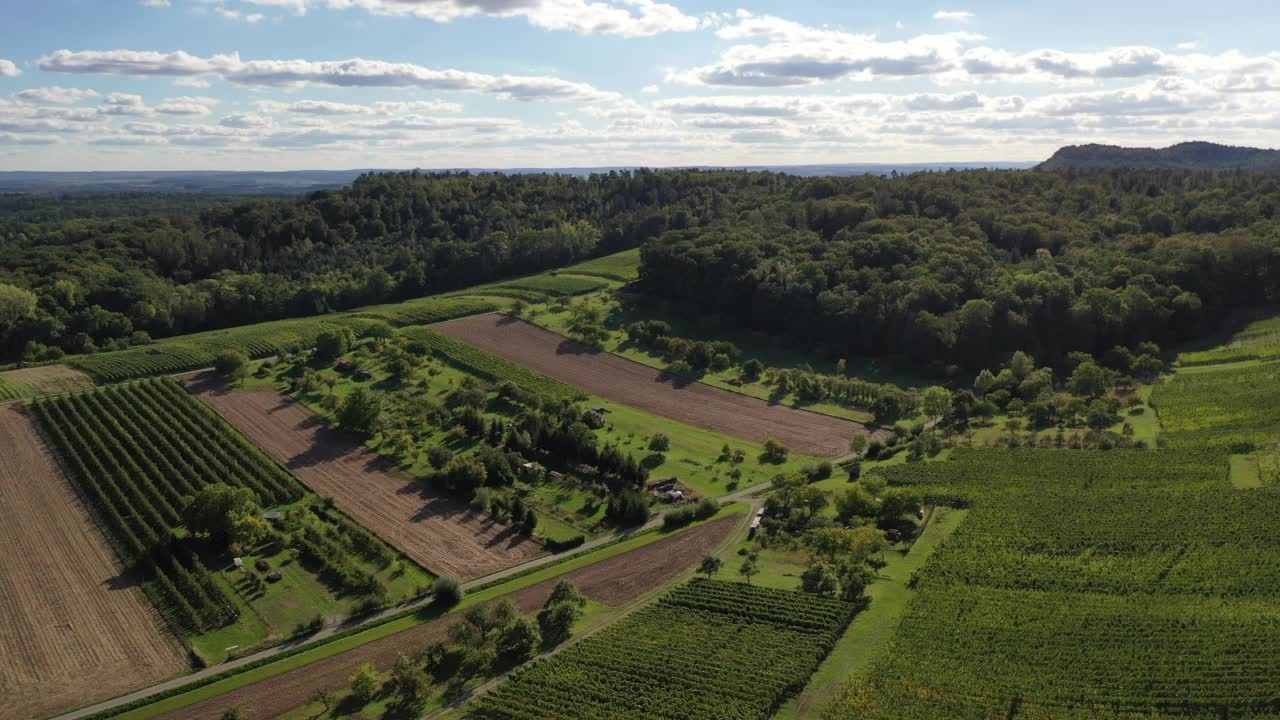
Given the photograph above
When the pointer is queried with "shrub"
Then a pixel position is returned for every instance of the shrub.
(557, 546)
(819, 471)
(774, 452)
(447, 591)
(660, 443)
(439, 456)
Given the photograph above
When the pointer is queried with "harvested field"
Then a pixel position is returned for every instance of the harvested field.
(613, 581)
(630, 383)
(74, 631)
(30, 382)
(438, 532)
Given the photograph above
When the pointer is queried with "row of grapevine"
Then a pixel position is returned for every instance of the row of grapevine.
(672, 661)
(1083, 583)
(487, 366)
(1235, 406)
(136, 452)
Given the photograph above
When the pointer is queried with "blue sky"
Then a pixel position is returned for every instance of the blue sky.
(291, 84)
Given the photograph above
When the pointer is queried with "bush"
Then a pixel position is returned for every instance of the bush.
(558, 546)
(819, 471)
(629, 507)
(447, 591)
(774, 452)
(439, 456)
(660, 443)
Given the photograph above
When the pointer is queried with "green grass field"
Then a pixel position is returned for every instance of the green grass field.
(694, 457)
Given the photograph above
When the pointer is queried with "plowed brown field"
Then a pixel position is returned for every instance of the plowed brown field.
(439, 532)
(621, 380)
(73, 631)
(613, 581)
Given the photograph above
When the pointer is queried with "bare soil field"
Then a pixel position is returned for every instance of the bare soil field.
(440, 533)
(74, 631)
(630, 383)
(613, 581)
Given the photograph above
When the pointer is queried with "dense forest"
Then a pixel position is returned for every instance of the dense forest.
(955, 267)
(180, 266)
(965, 268)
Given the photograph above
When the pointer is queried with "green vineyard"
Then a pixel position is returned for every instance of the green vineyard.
(487, 366)
(709, 649)
(1233, 406)
(1086, 582)
(135, 452)
(190, 352)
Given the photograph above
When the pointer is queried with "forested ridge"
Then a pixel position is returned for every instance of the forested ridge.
(98, 281)
(964, 268)
(956, 268)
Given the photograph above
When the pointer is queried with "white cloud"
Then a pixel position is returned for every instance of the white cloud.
(931, 101)
(154, 3)
(123, 104)
(24, 139)
(1189, 45)
(953, 15)
(627, 18)
(8, 69)
(338, 73)
(54, 95)
(246, 120)
(325, 107)
(649, 89)
(191, 82)
(182, 108)
(229, 14)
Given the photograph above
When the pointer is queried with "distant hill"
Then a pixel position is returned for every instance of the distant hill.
(298, 182)
(1183, 156)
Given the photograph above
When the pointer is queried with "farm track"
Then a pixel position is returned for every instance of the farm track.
(627, 382)
(439, 532)
(613, 581)
(74, 629)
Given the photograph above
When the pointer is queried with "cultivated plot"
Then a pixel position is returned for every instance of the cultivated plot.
(439, 532)
(630, 383)
(74, 629)
(613, 581)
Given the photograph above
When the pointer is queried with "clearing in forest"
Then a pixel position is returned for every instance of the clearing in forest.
(74, 629)
(441, 533)
(630, 383)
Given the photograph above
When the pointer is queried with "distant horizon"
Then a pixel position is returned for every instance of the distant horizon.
(273, 85)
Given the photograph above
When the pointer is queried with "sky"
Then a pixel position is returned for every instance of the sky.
(344, 84)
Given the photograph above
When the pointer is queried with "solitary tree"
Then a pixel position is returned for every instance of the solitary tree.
(935, 402)
(858, 443)
(774, 452)
(1090, 379)
(710, 565)
(361, 411)
(324, 696)
(365, 684)
(333, 343)
(748, 569)
(219, 510)
(231, 364)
